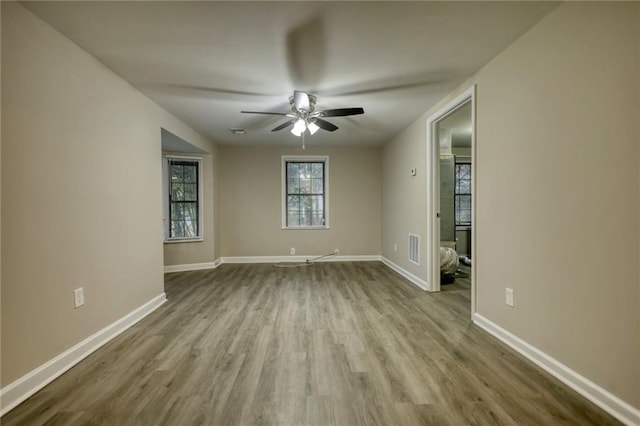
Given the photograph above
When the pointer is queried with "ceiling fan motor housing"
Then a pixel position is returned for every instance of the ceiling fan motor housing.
(302, 102)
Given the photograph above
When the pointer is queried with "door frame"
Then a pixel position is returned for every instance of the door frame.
(433, 191)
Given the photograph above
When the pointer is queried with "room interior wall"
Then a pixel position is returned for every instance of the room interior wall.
(463, 242)
(404, 207)
(250, 202)
(81, 193)
(638, 130)
(556, 189)
(216, 202)
(0, 206)
(576, 291)
(199, 251)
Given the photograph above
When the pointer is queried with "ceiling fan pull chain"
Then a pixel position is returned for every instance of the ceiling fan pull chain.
(302, 140)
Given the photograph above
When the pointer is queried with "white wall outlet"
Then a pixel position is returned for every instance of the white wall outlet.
(336, 251)
(78, 297)
(293, 251)
(395, 247)
(509, 297)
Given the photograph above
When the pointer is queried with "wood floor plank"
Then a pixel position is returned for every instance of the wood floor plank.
(327, 344)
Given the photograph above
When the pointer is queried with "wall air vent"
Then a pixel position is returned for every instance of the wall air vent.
(414, 248)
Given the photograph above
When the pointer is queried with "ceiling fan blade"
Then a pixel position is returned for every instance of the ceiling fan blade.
(284, 125)
(340, 112)
(218, 90)
(264, 112)
(417, 81)
(325, 125)
(306, 53)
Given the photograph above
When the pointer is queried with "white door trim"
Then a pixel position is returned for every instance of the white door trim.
(433, 191)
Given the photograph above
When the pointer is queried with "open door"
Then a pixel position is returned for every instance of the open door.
(451, 182)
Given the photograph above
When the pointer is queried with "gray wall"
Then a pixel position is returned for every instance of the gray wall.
(250, 202)
(565, 225)
(463, 242)
(81, 193)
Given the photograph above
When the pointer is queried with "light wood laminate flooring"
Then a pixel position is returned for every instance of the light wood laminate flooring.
(328, 344)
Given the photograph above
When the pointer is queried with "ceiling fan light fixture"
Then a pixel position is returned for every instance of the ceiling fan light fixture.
(313, 127)
(299, 127)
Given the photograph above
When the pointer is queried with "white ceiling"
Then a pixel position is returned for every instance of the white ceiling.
(206, 61)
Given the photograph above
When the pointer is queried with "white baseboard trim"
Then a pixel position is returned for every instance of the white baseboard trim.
(192, 266)
(15, 393)
(278, 259)
(265, 259)
(585, 387)
(408, 275)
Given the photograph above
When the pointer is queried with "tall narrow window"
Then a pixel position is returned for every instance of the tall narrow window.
(305, 189)
(183, 198)
(463, 194)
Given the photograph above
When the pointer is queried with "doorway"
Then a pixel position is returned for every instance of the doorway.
(451, 189)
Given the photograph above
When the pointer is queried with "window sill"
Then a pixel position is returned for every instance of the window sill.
(184, 240)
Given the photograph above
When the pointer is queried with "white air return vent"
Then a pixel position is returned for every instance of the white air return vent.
(414, 248)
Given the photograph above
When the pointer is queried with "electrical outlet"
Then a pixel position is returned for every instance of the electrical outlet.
(336, 251)
(78, 297)
(395, 247)
(293, 251)
(509, 297)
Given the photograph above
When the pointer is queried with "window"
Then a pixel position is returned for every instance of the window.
(463, 194)
(183, 195)
(305, 191)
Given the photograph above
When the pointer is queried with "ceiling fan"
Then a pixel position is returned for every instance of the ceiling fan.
(304, 116)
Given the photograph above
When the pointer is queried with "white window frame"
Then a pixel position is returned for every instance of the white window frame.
(458, 225)
(310, 159)
(166, 187)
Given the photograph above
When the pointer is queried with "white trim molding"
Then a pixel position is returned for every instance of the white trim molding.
(15, 393)
(433, 189)
(422, 284)
(414, 279)
(266, 259)
(284, 185)
(192, 266)
(297, 259)
(166, 199)
(604, 399)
